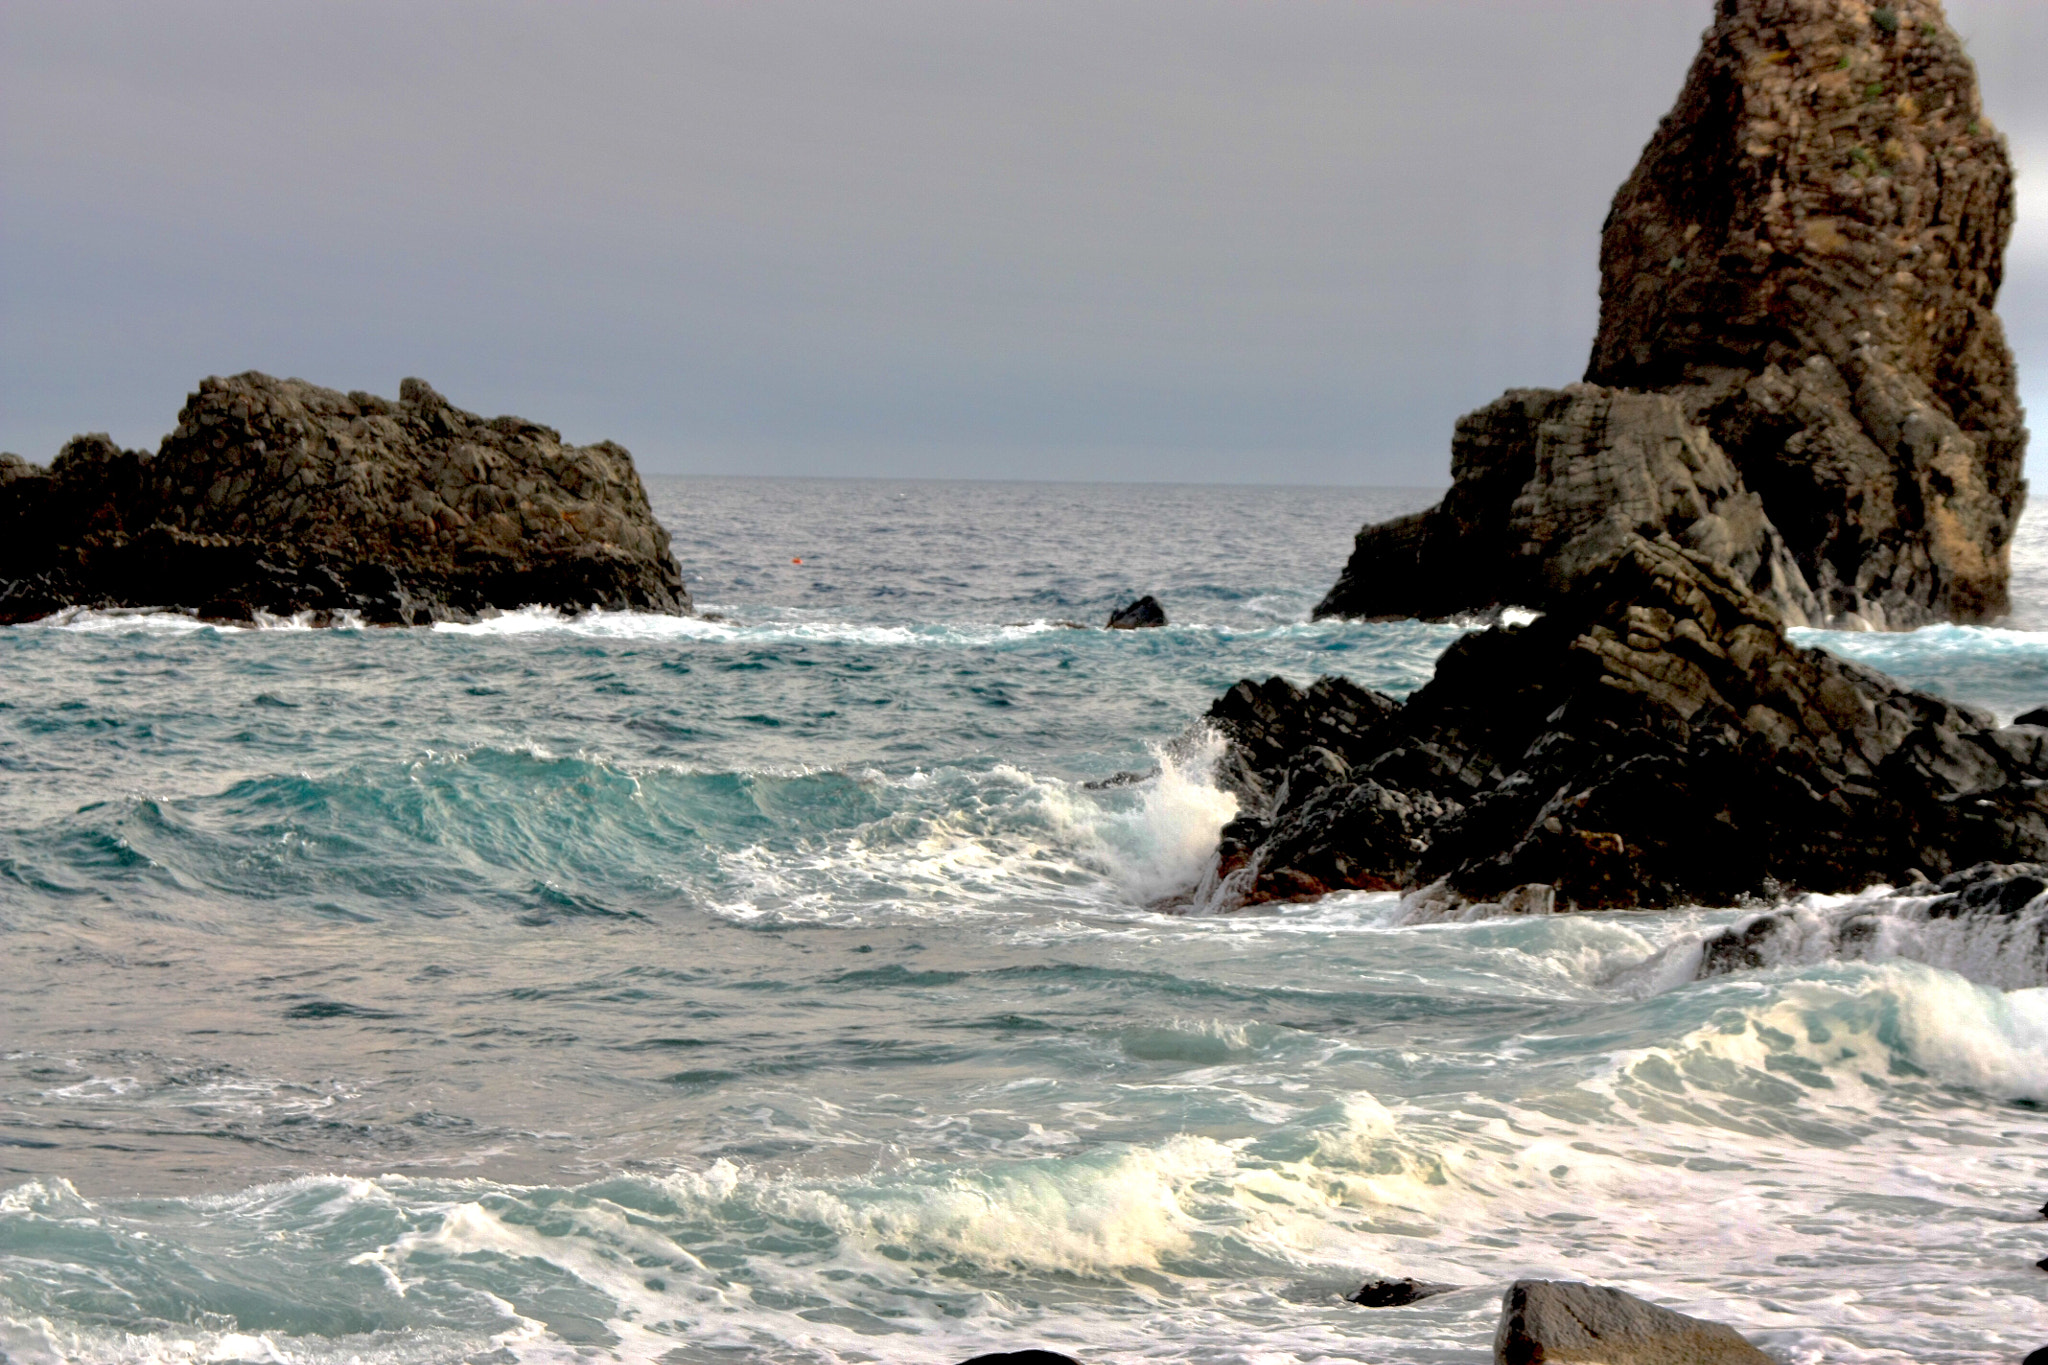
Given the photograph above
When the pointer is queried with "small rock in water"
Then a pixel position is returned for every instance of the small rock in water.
(1560, 1321)
(1397, 1293)
(2039, 1357)
(2037, 716)
(1143, 614)
(1127, 778)
(1032, 1357)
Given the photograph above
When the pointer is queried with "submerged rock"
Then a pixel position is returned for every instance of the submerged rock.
(1397, 1293)
(1797, 290)
(1562, 1321)
(1654, 740)
(1143, 614)
(277, 496)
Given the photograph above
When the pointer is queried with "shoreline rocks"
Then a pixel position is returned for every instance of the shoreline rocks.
(277, 496)
(1654, 740)
(1798, 370)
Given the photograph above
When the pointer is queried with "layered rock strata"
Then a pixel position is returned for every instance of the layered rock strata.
(277, 496)
(1654, 740)
(1804, 263)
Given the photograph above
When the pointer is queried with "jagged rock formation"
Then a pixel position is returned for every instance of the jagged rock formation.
(277, 496)
(1805, 261)
(1653, 740)
(1562, 1321)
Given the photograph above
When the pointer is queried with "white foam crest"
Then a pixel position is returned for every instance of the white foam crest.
(1862, 1027)
(1161, 847)
(1004, 840)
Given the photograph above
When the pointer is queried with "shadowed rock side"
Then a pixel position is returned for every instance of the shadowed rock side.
(1805, 262)
(277, 496)
(1654, 740)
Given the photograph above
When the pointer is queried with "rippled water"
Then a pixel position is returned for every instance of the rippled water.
(774, 987)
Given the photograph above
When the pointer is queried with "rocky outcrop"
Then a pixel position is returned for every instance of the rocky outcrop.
(1804, 264)
(1562, 1321)
(276, 496)
(1143, 614)
(1654, 740)
(1547, 485)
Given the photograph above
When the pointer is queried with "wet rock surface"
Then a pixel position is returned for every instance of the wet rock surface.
(1803, 267)
(1564, 1321)
(277, 496)
(1654, 740)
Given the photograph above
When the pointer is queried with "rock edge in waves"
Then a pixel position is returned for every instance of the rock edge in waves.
(1654, 740)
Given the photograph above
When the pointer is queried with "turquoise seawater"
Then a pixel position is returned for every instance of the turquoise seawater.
(772, 986)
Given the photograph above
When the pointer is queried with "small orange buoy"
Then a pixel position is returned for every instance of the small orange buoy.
(797, 560)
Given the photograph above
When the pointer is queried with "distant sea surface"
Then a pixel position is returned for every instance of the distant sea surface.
(773, 986)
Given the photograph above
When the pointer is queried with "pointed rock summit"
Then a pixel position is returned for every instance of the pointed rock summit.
(1798, 371)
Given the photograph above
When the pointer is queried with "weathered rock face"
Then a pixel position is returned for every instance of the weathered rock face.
(1548, 484)
(1654, 740)
(278, 496)
(1805, 261)
(1562, 1321)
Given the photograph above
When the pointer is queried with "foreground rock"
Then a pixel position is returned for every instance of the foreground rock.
(1798, 368)
(1654, 740)
(1143, 614)
(276, 496)
(1561, 1321)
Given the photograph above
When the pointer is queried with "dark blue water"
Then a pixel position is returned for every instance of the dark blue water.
(771, 986)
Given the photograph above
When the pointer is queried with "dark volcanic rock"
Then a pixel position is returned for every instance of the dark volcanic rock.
(280, 497)
(1653, 740)
(1397, 1293)
(1031, 1357)
(1562, 1321)
(1803, 266)
(1143, 614)
(2037, 716)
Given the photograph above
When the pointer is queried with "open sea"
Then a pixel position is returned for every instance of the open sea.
(773, 986)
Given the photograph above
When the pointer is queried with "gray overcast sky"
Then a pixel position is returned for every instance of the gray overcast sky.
(1286, 241)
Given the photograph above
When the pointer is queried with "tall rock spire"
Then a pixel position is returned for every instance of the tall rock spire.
(1803, 269)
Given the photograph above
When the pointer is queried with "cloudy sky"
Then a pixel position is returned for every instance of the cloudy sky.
(1237, 240)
